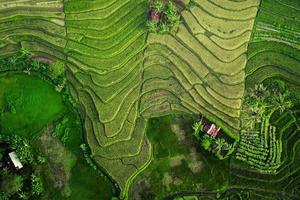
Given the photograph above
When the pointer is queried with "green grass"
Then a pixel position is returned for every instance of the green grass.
(85, 183)
(212, 176)
(36, 103)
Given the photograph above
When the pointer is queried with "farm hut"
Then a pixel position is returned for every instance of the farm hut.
(154, 16)
(211, 129)
(15, 160)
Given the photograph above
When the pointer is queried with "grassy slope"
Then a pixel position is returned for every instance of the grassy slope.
(38, 103)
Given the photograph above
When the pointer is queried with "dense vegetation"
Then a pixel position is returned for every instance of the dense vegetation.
(40, 123)
(195, 56)
(163, 17)
(175, 165)
(260, 145)
(220, 145)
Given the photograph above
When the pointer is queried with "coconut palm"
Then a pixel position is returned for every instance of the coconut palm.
(281, 101)
(197, 128)
(220, 143)
(24, 52)
(171, 13)
(158, 6)
(152, 26)
(163, 28)
(206, 142)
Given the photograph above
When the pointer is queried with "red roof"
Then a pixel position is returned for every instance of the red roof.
(211, 129)
(153, 15)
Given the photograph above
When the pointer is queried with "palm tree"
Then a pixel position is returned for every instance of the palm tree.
(197, 128)
(36, 65)
(152, 26)
(27, 70)
(220, 143)
(12, 60)
(171, 12)
(206, 142)
(158, 6)
(281, 101)
(164, 28)
(24, 52)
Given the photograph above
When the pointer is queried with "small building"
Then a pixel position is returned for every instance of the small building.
(154, 16)
(15, 160)
(211, 129)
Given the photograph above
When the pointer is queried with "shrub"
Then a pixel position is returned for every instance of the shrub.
(56, 69)
(88, 157)
(10, 183)
(36, 185)
(206, 142)
(21, 147)
(163, 17)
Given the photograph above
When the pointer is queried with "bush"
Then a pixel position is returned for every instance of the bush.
(88, 157)
(56, 69)
(36, 185)
(163, 17)
(21, 147)
(10, 183)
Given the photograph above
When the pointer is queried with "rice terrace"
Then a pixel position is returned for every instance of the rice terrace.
(149, 100)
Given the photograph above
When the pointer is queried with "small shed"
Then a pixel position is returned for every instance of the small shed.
(211, 129)
(15, 160)
(154, 16)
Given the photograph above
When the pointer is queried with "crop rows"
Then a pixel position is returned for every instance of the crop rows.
(273, 53)
(261, 150)
(105, 63)
(37, 26)
(274, 48)
(201, 68)
(286, 176)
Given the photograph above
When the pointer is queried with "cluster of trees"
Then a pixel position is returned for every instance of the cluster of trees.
(263, 100)
(12, 101)
(259, 145)
(18, 186)
(163, 17)
(218, 146)
(26, 185)
(22, 148)
(88, 157)
(22, 61)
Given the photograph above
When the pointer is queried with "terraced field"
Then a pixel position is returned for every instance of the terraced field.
(287, 176)
(121, 80)
(122, 76)
(105, 44)
(35, 25)
(201, 69)
(274, 49)
(274, 53)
